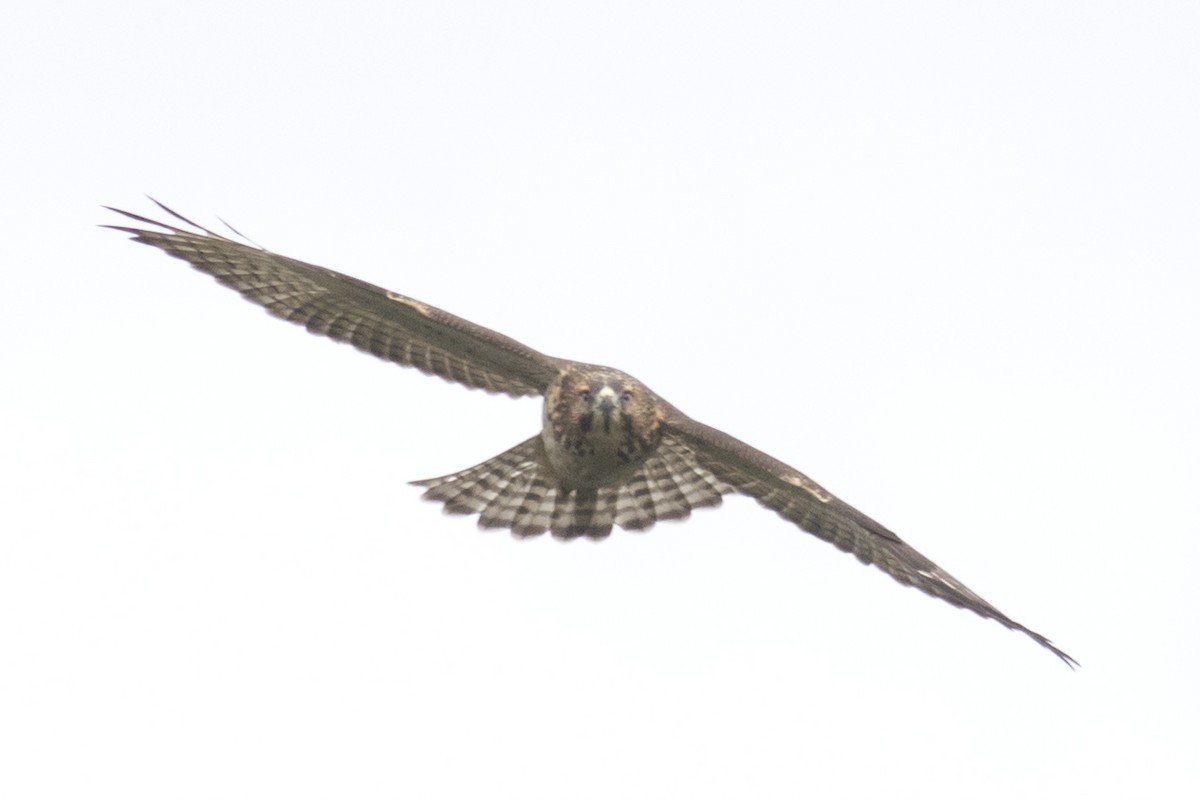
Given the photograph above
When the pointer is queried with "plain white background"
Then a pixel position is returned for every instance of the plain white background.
(940, 256)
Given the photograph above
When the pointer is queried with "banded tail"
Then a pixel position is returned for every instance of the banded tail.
(516, 490)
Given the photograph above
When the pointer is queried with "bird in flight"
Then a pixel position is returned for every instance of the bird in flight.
(610, 452)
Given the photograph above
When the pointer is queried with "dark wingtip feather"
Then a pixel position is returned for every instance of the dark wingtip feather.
(179, 217)
(166, 226)
(1046, 643)
(138, 218)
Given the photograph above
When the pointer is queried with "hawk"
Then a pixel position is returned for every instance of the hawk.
(610, 452)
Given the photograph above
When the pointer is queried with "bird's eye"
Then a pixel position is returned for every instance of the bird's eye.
(586, 395)
(626, 396)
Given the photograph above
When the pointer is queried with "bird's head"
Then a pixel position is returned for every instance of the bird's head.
(601, 403)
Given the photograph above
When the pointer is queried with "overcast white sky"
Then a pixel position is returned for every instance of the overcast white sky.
(940, 256)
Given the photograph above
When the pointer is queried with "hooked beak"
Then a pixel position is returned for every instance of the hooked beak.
(606, 406)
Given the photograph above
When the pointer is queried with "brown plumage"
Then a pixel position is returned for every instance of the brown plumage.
(611, 451)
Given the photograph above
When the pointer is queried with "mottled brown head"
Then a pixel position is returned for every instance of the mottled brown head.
(599, 424)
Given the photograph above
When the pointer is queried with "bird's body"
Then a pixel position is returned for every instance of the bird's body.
(611, 451)
(598, 426)
(599, 461)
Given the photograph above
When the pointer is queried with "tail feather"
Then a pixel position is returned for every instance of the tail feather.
(635, 505)
(517, 491)
(700, 487)
(535, 510)
(503, 510)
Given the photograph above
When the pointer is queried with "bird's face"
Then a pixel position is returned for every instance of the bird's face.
(601, 402)
(601, 405)
(602, 416)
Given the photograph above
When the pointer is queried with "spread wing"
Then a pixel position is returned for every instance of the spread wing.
(385, 324)
(798, 499)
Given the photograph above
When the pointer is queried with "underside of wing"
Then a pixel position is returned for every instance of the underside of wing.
(799, 499)
(385, 324)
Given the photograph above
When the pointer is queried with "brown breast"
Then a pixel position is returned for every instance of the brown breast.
(598, 425)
